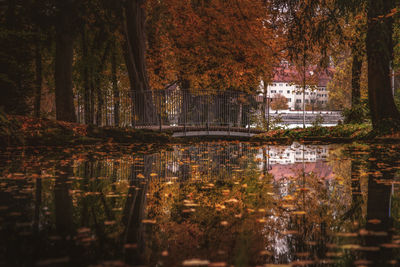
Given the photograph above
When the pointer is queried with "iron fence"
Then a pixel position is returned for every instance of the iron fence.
(179, 108)
(172, 108)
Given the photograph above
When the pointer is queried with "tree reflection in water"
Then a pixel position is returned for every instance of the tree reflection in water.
(226, 203)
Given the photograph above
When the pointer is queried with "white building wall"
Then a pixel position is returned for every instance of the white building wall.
(294, 94)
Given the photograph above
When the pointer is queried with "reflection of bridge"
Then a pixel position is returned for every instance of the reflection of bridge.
(227, 113)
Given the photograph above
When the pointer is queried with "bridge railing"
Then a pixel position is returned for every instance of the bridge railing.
(174, 108)
(180, 108)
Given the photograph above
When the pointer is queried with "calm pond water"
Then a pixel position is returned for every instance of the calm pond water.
(209, 204)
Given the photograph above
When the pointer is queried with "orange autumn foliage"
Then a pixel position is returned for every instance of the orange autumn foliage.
(211, 45)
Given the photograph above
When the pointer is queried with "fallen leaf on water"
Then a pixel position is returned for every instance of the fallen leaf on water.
(390, 245)
(299, 212)
(83, 230)
(130, 246)
(195, 262)
(369, 248)
(374, 221)
(266, 253)
(350, 246)
(149, 221)
(217, 264)
(290, 232)
(346, 234)
(303, 263)
(362, 262)
(164, 253)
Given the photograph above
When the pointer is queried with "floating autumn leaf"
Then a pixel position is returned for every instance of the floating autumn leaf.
(362, 262)
(278, 265)
(224, 223)
(83, 230)
(217, 264)
(374, 221)
(346, 234)
(131, 246)
(232, 200)
(299, 212)
(390, 245)
(369, 248)
(290, 232)
(266, 253)
(195, 262)
(148, 221)
(164, 253)
(350, 246)
(188, 210)
(141, 176)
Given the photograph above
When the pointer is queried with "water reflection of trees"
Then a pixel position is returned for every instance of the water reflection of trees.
(210, 201)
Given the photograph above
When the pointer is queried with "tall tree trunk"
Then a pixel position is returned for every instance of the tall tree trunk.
(63, 202)
(85, 76)
(100, 104)
(115, 85)
(38, 81)
(379, 207)
(134, 48)
(356, 77)
(379, 53)
(65, 110)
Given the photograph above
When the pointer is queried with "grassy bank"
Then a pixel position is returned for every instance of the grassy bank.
(27, 131)
(337, 134)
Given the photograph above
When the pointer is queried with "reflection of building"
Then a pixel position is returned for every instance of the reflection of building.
(288, 161)
(286, 82)
(295, 154)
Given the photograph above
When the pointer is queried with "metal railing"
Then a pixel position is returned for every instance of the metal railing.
(180, 109)
(173, 109)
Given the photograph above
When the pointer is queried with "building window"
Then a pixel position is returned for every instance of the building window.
(306, 101)
(289, 99)
(280, 84)
(288, 91)
(280, 91)
(298, 100)
(273, 91)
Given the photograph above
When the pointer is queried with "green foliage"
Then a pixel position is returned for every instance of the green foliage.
(276, 123)
(16, 78)
(339, 132)
(319, 120)
(357, 114)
